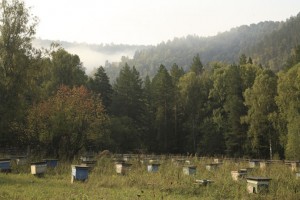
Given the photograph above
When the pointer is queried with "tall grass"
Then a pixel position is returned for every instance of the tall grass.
(168, 183)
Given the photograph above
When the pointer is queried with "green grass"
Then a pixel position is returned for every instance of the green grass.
(168, 183)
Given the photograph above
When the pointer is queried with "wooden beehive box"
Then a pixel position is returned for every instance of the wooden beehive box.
(5, 165)
(295, 166)
(253, 163)
(79, 172)
(218, 160)
(122, 168)
(264, 164)
(38, 168)
(240, 174)
(51, 162)
(212, 166)
(21, 160)
(189, 170)
(153, 167)
(258, 184)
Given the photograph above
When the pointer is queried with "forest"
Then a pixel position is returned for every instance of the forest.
(49, 105)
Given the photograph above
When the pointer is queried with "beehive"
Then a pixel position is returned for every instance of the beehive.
(258, 184)
(189, 170)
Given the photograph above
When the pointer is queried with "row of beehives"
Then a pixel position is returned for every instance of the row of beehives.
(37, 168)
(254, 184)
(80, 172)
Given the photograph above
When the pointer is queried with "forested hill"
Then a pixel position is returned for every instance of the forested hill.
(268, 43)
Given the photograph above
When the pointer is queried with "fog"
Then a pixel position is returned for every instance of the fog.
(92, 59)
(92, 56)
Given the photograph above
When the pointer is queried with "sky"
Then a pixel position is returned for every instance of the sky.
(150, 21)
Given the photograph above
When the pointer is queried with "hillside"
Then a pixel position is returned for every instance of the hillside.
(268, 43)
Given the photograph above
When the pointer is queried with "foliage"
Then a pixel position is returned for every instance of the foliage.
(17, 28)
(164, 100)
(66, 70)
(288, 101)
(67, 122)
(260, 100)
(100, 85)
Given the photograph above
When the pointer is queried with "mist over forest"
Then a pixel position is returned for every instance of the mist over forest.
(267, 43)
(93, 55)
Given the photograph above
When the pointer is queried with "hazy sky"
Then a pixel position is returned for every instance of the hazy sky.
(150, 21)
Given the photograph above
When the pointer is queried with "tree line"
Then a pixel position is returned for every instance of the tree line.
(49, 104)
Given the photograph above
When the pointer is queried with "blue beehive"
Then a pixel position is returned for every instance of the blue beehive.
(5, 165)
(79, 172)
(51, 162)
(153, 167)
(189, 170)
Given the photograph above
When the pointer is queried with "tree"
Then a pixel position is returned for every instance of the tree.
(128, 105)
(190, 93)
(66, 70)
(260, 100)
(196, 66)
(66, 123)
(176, 73)
(163, 95)
(100, 85)
(243, 59)
(227, 98)
(17, 28)
(249, 61)
(128, 99)
(288, 101)
(293, 59)
(149, 138)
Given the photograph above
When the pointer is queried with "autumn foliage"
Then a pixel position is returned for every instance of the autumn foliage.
(67, 122)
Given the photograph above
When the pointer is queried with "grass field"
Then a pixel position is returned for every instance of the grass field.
(168, 183)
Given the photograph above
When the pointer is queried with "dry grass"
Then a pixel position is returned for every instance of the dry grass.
(168, 183)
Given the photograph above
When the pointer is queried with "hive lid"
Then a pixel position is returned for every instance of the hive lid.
(39, 163)
(50, 159)
(4, 159)
(81, 166)
(191, 166)
(258, 178)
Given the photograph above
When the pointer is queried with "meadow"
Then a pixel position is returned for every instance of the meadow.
(168, 183)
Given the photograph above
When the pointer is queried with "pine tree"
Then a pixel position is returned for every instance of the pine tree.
(100, 85)
(163, 94)
(128, 99)
(196, 66)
